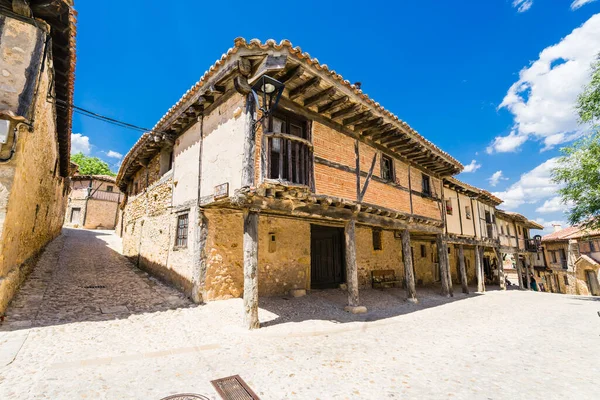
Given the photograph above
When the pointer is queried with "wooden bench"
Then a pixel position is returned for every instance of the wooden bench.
(383, 278)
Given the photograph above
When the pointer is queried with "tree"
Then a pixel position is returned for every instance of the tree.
(578, 169)
(91, 165)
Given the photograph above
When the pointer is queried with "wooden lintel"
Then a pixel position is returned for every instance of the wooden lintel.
(303, 88)
(319, 97)
(345, 111)
(357, 118)
(332, 104)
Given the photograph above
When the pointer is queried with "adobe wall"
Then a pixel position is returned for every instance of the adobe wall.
(101, 214)
(33, 196)
(71, 204)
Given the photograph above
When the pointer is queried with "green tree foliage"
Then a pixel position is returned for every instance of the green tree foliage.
(91, 165)
(578, 169)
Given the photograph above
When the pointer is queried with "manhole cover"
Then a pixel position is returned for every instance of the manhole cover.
(234, 388)
(185, 396)
(95, 287)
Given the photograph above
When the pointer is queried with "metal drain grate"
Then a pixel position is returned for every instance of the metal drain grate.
(186, 396)
(234, 388)
(95, 287)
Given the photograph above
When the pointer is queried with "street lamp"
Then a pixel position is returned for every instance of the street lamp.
(270, 90)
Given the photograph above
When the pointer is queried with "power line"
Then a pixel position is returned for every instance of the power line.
(91, 114)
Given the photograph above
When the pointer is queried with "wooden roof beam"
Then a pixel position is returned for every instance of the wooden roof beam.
(368, 124)
(378, 129)
(333, 104)
(345, 111)
(319, 97)
(357, 118)
(303, 88)
(291, 74)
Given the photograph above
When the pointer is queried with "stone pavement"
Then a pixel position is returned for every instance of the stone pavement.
(138, 339)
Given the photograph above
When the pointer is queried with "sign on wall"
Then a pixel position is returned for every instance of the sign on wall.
(221, 191)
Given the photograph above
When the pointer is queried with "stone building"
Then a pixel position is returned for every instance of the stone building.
(571, 261)
(37, 44)
(227, 198)
(518, 247)
(93, 202)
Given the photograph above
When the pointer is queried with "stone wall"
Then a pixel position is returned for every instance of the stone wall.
(33, 196)
(101, 214)
(72, 220)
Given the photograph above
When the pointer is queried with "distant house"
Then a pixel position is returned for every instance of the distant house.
(93, 202)
(37, 65)
(572, 257)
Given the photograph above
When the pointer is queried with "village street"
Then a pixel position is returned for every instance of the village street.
(88, 324)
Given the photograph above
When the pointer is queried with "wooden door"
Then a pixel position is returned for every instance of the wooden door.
(327, 257)
(592, 281)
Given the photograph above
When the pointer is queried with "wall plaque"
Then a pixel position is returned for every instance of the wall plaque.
(221, 191)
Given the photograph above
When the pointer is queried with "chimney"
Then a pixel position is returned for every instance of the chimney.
(557, 227)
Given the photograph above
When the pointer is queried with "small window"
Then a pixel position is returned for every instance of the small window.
(519, 229)
(423, 251)
(592, 246)
(182, 231)
(449, 206)
(538, 256)
(553, 254)
(387, 168)
(448, 249)
(508, 230)
(171, 160)
(426, 185)
(377, 245)
(109, 188)
(566, 280)
(468, 212)
(502, 229)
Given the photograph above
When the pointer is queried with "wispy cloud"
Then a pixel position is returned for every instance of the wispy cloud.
(543, 100)
(496, 178)
(522, 5)
(580, 3)
(114, 154)
(472, 167)
(555, 204)
(80, 144)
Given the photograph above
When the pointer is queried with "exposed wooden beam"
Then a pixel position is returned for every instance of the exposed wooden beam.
(394, 139)
(218, 89)
(303, 88)
(390, 132)
(206, 99)
(332, 104)
(357, 118)
(368, 124)
(319, 97)
(375, 130)
(291, 74)
(345, 111)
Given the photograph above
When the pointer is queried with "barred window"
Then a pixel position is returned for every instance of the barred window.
(425, 185)
(387, 168)
(182, 231)
(377, 242)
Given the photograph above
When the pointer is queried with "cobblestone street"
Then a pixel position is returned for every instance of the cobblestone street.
(88, 325)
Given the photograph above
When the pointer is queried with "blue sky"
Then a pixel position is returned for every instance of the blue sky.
(492, 81)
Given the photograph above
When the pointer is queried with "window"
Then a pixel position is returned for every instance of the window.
(449, 207)
(135, 188)
(426, 185)
(387, 168)
(182, 231)
(289, 156)
(519, 229)
(538, 256)
(508, 230)
(468, 212)
(377, 245)
(423, 251)
(566, 280)
(502, 229)
(109, 188)
(592, 246)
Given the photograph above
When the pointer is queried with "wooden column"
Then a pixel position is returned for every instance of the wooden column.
(351, 268)
(501, 277)
(528, 272)
(450, 285)
(443, 260)
(249, 143)
(463, 270)
(409, 273)
(250, 269)
(519, 270)
(479, 269)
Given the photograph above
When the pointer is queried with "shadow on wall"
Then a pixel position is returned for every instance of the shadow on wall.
(80, 277)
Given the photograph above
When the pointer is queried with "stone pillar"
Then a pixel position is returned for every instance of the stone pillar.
(463, 270)
(352, 269)
(444, 270)
(519, 270)
(409, 273)
(251, 269)
(501, 277)
(479, 269)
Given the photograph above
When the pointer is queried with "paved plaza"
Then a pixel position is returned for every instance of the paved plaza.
(88, 325)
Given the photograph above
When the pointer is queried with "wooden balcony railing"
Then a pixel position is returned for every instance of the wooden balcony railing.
(289, 158)
(104, 195)
(532, 245)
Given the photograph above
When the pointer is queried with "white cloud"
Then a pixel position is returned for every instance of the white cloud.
(532, 187)
(522, 5)
(555, 204)
(80, 143)
(496, 177)
(472, 167)
(114, 154)
(580, 3)
(543, 100)
(549, 225)
(506, 144)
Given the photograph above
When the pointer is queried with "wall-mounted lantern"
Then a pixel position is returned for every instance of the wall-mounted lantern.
(270, 90)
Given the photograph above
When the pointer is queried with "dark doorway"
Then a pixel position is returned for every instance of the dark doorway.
(487, 268)
(327, 257)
